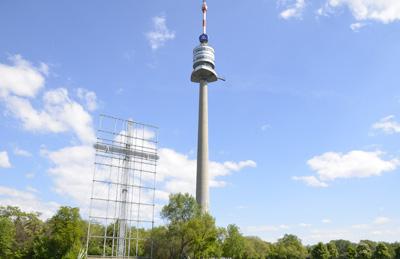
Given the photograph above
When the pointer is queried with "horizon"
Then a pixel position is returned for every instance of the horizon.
(302, 135)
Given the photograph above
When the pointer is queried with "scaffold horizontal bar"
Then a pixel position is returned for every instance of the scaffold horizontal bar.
(116, 218)
(123, 135)
(124, 151)
(119, 201)
(126, 168)
(105, 140)
(138, 123)
(119, 158)
(128, 185)
(116, 238)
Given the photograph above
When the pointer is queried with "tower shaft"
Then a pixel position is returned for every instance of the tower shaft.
(202, 149)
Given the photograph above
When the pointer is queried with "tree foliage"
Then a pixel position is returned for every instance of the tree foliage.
(397, 252)
(189, 232)
(289, 246)
(234, 243)
(351, 252)
(181, 208)
(363, 251)
(333, 251)
(63, 235)
(7, 236)
(381, 252)
(320, 251)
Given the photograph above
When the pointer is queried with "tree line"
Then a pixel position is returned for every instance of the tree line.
(188, 233)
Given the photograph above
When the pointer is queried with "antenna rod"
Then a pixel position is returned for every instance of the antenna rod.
(204, 9)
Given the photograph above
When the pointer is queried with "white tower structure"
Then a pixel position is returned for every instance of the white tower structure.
(203, 73)
(123, 189)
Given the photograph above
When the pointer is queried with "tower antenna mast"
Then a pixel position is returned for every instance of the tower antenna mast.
(204, 9)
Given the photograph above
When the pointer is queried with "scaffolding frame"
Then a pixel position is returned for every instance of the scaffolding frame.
(123, 189)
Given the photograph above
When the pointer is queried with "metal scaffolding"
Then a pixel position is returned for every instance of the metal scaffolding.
(123, 189)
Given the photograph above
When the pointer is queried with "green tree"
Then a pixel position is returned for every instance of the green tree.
(333, 251)
(256, 248)
(205, 236)
(234, 243)
(189, 232)
(342, 247)
(351, 252)
(7, 237)
(27, 226)
(289, 246)
(96, 244)
(381, 252)
(371, 244)
(397, 252)
(159, 245)
(62, 237)
(320, 251)
(181, 208)
(363, 251)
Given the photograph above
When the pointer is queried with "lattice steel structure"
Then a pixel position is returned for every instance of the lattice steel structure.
(123, 189)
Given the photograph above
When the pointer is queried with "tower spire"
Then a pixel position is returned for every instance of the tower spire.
(204, 8)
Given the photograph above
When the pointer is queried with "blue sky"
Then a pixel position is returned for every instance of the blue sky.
(303, 134)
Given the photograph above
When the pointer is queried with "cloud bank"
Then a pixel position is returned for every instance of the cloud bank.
(354, 164)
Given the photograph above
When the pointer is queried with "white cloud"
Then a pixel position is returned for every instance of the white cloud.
(31, 189)
(360, 226)
(241, 207)
(356, 26)
(251, 230)
(59, 114)
(89, 97)
(294, 11)
(4, 160)
(72, 172)
(160, 33)
(385, 11)
(304, 225)
(27, 201)
(388, 125)
(321, 11)
(355, 164)
(21, 77)
(326, 221)
(283, 226)
(21, 152)
(178, 172)
(260, 229)
(265, 127)
(310, 181)
(20, 82)
(381, 220)
(325, 235)
(360, 164)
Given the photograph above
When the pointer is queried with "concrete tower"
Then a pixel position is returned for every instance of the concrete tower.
(203, 73)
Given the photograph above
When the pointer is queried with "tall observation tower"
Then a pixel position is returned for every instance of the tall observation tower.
(203, 73)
